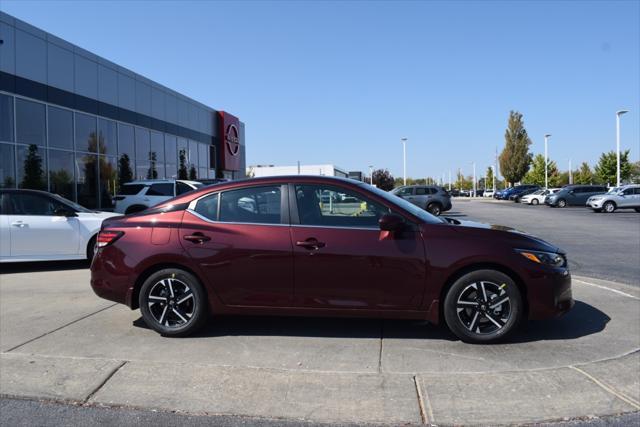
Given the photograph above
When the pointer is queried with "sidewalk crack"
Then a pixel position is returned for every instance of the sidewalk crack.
(629, 400)
(111, 374)
(426, 412)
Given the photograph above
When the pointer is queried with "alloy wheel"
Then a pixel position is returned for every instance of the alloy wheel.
(483, 307)
(171, 303)
(534, 201)
(562, 203)
(609, 207)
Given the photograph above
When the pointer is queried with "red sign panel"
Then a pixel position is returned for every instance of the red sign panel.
(229, 132)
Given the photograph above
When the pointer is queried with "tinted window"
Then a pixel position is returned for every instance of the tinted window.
(60, 128)
(637, 190)
(7, 168)
(61, 169)
(333, 206)
(87, 180)
(32, 167)
(131, 189)
(182, 188)
(6, 118)
(33, 204)
(164, 189)
(628, 191)
(125, 141)
(86, 136)
(107, 136)
(253, 205)
(421, 191)
(208, 207)
(30, 122)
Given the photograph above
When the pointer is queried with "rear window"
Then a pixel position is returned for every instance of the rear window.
(130, 189)
(164, 189)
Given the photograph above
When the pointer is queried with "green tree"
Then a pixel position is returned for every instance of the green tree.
(193, 174)
(182, 167)
(33, 170)
(489, 178)
(635, 173)
(583, 175)
(125, 174)
(383, 179)
(607, 166)
(536, 173)
(515, 157)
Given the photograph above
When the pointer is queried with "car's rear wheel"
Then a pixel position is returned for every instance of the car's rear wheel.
(91, 248)
(434, 208)
(534, 201)
(562, 203)
(609, 207)
(173, 303)
(483, 306)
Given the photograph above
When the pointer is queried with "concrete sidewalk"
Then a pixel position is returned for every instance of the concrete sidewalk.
(60, 342)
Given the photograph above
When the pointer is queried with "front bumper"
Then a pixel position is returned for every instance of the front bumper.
(550, 294)
(595, 204)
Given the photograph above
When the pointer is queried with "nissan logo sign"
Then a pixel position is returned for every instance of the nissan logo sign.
(232, 141)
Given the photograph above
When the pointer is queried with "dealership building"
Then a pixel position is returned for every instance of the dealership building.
(78, 125)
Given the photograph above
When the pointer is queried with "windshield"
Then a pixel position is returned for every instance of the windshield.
(407, 206)
(74, 205)
(614, 190)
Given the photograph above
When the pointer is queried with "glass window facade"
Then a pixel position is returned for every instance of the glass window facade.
(86, 158)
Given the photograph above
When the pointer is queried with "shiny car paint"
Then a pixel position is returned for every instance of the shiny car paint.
(260, 268)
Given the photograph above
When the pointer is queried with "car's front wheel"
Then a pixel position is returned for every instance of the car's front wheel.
(562, 203)
(483, 306)
(609, 207)
(434, 209)
(534, 201)
(173, 302)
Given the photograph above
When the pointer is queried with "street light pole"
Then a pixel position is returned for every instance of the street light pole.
(404, 159)
(371, 174)
(546, 175)
(474, 178)
(570, 173)
(493, 174)
(449, 179)
(618, 114)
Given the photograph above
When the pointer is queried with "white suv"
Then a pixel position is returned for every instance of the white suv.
(626, 197)
(137, 196)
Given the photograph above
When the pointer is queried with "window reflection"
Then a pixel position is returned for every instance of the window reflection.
(7, 170)
(86, 136)
(107, 137)
(87, 180)
(61, 173)
(32, 167)
(60, 128)
(6, 118)
(30, 122)
(108, 181)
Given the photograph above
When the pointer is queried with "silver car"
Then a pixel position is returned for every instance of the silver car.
(432, 198)
(625, 197)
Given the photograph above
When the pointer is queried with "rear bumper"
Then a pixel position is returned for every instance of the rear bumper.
(111, 282)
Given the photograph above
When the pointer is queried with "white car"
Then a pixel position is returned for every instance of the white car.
(40, 226)
(537, 197)
(137, 196)
(487, 193)
(625, 197)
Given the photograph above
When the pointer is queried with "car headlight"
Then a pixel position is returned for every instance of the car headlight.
(595, 198)
(548, 258)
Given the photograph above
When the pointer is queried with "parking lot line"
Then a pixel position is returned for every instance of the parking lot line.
(607, 288)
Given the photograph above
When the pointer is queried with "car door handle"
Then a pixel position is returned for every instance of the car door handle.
(312, 243)
(197, 238)
(19, 224)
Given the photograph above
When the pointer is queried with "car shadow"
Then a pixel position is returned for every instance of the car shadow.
(36, 266)
(582, 320)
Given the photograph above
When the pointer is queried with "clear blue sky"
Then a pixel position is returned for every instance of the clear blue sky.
(341, 83)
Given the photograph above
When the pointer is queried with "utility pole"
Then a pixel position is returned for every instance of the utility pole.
(449, 179)
(474, 178)
(546, 175)
(618, 114)
(570, 173)
(404, 159)
(371, 174)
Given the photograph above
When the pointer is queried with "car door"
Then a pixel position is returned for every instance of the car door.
(407, 193)
(342, 260)
(423, 196)
(627, 198)
(239, 239)
(36, 230)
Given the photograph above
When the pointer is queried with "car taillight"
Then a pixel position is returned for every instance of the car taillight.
(107, 237)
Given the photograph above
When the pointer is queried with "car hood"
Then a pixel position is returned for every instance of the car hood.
(516, 237)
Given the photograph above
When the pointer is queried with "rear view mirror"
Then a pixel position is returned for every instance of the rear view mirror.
(391, 222)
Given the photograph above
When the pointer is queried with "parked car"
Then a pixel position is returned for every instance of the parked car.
(626, 197)
(137, 196)
(507, 192)
(40, 226)
(432, 198)
(212, 181)
(383, 256)
(573, 195)
(488, 193)
(537, 197)
(517, 195)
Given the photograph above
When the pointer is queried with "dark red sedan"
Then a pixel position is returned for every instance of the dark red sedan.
(321, 246)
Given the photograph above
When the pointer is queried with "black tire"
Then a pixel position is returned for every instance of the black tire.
(91, 248)
(474, 325)
(535, 202)
(562, 203)
(172, 318)
(434, 209)
(134, 209)
(609, 207)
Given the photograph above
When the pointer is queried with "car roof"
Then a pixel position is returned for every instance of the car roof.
(159, 181)
(24, 190)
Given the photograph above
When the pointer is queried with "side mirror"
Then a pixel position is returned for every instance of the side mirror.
(391, 222)
(570, 191)
(64, 212)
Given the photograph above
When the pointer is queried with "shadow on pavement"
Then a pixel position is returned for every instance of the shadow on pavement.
(582, 321)
(37, 266)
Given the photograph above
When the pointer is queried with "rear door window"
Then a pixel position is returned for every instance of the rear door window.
(258, 205)
(161, 189)
(208, 207)
(421, 191)
(405, 192)
(130, 189)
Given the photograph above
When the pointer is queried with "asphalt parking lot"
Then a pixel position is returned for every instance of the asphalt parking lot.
(605, 246)
(60, 343)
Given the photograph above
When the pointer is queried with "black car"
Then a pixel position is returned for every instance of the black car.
(574, 195)
(517, 194)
